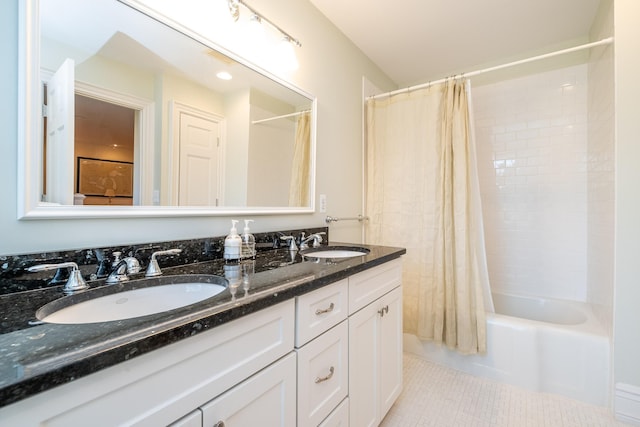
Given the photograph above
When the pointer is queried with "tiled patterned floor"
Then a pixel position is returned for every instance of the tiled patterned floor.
(437, 396)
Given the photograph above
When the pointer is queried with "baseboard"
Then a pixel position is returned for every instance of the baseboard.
(627, 403)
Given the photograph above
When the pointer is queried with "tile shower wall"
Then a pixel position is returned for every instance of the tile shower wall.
(531, 136)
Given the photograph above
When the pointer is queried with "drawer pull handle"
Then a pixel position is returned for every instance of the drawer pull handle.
(384, 310)
(328, 377)
(219, 424)
(326, 310)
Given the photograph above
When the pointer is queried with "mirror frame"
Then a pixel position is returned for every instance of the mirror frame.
(30, 131)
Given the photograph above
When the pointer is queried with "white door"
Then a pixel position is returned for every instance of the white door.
(199, 158)
(60, 135)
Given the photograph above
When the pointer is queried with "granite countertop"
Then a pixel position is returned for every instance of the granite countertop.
(36, 356)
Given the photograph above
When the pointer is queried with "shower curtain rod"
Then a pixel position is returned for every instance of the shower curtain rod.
(607, 40)
(297, 113)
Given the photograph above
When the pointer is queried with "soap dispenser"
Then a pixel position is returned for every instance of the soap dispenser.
(232, 243)
(248, 242)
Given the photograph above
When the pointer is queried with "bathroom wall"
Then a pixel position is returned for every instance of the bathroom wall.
(601, 171)
(531, 136)
(627, 206)
(336, 82)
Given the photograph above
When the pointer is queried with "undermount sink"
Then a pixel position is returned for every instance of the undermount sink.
(151, 296)
(334, 252)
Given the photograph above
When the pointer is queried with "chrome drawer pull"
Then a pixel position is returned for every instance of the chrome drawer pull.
(328, 377)
(326, 310)
(383, 310)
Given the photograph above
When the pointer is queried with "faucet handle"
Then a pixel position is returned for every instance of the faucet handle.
(75, 282)
(317, 239)
(292, 244)
(154, 269)
(133, 265)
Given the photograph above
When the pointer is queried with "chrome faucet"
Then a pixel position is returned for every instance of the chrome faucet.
(316, 237)
(75, 282)
(121, 268)
(154, 269)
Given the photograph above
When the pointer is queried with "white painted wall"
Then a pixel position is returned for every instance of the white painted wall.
(331, 68)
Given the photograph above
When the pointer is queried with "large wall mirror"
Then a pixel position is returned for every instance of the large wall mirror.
(128, 114)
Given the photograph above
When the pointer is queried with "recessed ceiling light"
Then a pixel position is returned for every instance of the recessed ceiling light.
(223, 75)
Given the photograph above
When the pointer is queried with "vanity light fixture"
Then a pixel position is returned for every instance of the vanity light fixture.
(234, 9)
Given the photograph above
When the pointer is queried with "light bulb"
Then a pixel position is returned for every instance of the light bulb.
(286, 55)
(255, 28)
(224, 75)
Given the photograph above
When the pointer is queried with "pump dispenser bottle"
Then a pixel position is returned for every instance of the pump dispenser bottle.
(232, 243)
(248, 242)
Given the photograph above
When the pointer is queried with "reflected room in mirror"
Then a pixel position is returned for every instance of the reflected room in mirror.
(124, 90)
(103, 146)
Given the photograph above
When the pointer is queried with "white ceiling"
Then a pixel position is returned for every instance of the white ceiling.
(417, 40)
(80, 29)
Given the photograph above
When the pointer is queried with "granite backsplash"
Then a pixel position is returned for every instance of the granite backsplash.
(14, 277)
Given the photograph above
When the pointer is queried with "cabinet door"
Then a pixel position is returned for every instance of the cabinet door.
(363, 366)
(375, 359)
(266, 399)
(390, 368)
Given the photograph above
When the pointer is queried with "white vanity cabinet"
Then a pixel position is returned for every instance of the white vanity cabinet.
(331, 357)
(375, 343)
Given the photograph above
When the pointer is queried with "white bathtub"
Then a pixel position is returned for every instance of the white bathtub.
(540, 344)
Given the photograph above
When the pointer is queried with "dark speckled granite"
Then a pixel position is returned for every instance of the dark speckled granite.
(37, 357)
(14, 277)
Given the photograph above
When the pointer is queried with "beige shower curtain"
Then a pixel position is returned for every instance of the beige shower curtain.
(422, 193)
(301, 164)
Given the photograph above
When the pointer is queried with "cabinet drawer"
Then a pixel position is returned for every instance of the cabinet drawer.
(320, 310)
(339, 417)
(323, 376)
(266, 399)
(369, 285)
